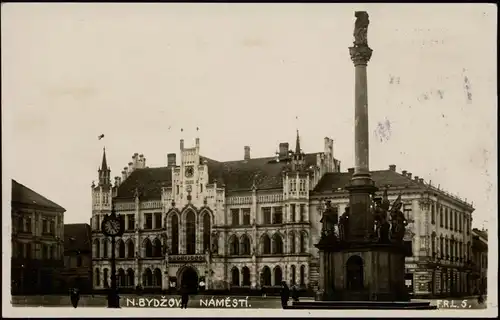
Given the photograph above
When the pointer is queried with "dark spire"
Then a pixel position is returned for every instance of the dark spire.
(104, 172)
(104, 165)
(297, 144)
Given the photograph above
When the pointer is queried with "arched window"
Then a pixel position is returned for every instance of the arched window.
(293, 274)
(303, 237)
(433, 245)
(235, 277)
(157, 281)
(130, 248)
(148, 248)
(97, 248)
(121, 248)
(266, 244)
(266, 276)
(147, 278)
(355, 273)
(302, 275)
(244, 245)
(121, 280)
(174, 223)
(278, 276)
(190, 233)
(206, 231)
(105, 277)
(156, 247)
(245, 273)
(130, 277)
(277, 244)
(292, 242)
(97, 276)
(105, 248)
(234, 245)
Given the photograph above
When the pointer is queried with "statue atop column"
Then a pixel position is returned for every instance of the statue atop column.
(382, 226)
(398, 221)
(360, 51)
(361, 28)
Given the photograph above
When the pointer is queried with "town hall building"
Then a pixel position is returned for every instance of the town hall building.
(254, 222)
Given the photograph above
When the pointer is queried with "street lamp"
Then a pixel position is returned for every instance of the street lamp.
(112, 226)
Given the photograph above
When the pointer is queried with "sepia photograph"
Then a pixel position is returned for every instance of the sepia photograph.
(251, 159)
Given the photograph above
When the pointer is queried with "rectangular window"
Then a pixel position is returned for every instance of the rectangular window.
(158, 220)
(201, 187)
(27, 225)
(235, 217)
(278, 215)
(45, 252)
(302, 212)
(433, 214)
(52, 226)
(246, 216)
(455, 218)
(441, 217)
(407, 211)
(292, 212)
(148, 221)
(266, 215)
(452, 222)
(45, 226)
(446, 218)
(28, 251)
(177, 189)
(467, 225)
(131, 221)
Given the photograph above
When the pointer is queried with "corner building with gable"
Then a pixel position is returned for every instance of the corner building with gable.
(254, 222)
(239, 223)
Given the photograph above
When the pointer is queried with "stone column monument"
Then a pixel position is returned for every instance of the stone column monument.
(362, 258)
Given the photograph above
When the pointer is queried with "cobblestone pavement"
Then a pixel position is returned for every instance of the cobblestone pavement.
(99, 301)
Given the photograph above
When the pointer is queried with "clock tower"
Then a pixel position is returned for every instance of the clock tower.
(191, 177)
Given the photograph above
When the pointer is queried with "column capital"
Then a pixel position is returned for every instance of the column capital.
(360, 55)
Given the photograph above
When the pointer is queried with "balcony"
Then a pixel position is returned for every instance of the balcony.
(186, 258)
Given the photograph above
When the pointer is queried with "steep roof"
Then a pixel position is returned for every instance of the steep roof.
(266, 173)
(77, 237)
(24, 195)
(334, 180)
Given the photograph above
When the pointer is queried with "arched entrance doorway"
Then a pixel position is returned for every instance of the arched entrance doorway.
(189, 278)
(354, 270)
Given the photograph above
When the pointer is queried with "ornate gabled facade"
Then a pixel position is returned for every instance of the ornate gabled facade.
(237, 223)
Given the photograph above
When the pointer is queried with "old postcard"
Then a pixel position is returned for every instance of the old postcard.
(249, 160)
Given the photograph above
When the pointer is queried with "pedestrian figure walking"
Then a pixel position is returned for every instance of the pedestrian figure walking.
(285, 294)
(75, 297)
(184, 297)
(295, 293)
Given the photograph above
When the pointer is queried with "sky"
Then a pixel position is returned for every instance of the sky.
(245, 74)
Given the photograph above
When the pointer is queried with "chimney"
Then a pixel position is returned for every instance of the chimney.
(130, 167)
(350, 170)
(283, 149)
(141, 161)
(144, 162)
(247, 153)
(416, 178)
(116, 181)
(135, 160)
(421, 180)
(392, 167)
(124, 174)
(403, 173)
(408, 175)
(119, 180)
(171, 160)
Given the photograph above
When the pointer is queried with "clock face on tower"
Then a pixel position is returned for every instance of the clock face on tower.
(189, 172)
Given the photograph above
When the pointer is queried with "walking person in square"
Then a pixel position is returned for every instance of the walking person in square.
(285, 294)
(184, 297)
